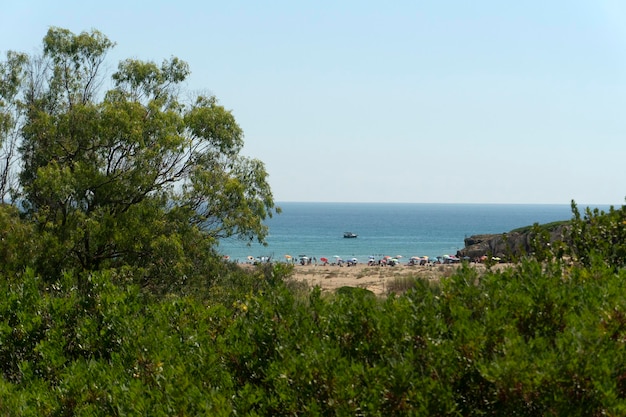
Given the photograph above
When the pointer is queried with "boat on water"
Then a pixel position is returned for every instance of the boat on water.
(349, 235)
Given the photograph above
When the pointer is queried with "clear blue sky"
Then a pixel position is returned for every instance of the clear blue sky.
(395, 101)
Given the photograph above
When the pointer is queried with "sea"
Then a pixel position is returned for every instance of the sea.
(316, 230)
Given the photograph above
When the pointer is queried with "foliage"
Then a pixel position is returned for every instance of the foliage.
(11, 78)
(130, 176)
(534, 340)
(544, 226)
(18, 241)
(599, 235)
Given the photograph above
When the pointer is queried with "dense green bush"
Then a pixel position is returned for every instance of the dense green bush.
(538, 339)
(598, 235)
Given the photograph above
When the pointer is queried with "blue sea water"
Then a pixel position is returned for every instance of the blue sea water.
(316, 229)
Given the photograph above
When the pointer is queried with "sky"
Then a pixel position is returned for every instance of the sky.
(444, 101)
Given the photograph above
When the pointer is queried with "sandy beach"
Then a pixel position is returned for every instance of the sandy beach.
(377, 279)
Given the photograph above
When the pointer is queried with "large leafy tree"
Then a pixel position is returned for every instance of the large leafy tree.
(130, 174)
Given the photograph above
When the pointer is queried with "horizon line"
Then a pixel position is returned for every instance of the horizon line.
(448, 203)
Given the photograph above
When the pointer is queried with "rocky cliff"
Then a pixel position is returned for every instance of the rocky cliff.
(507, 245)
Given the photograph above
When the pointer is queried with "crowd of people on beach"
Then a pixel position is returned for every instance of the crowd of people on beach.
(373, 260)
(382, 261)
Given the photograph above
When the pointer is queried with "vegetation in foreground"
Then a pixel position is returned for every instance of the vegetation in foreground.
(537, 339)
(115, 304)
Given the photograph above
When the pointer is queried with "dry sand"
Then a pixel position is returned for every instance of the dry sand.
(374, 278)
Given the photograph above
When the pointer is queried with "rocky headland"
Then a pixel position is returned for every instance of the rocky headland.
(513, 244)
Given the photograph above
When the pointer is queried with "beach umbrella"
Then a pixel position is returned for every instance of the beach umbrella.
(354, 260)
(251, 258)
(324, 259)
(287, 256)
(371, 256)
(399, 256)
(226, 257)
(416, 258)
(337, 256)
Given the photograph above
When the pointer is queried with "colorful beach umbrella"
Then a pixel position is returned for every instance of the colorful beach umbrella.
(324, 259)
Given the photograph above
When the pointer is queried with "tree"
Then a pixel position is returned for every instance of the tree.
(11, 77)
(132, 175)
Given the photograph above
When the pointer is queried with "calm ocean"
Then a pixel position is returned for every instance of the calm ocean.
(316, 229)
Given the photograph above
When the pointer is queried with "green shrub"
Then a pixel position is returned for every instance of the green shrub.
(600, 235)
(537, 339)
